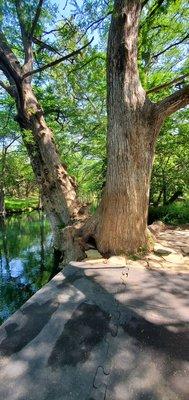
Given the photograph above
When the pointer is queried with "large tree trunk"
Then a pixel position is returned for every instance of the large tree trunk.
(57, 188)
(122, 215)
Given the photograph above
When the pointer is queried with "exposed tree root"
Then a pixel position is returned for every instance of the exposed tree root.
(75, 239)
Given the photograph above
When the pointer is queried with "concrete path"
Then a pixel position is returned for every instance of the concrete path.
(99, 332)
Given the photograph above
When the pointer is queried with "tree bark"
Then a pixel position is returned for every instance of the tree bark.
(175, 196)
(57, 188)
(133, 126)
(122, 216)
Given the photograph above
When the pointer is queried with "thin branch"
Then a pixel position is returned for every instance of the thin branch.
(167, 84)
(152, 13)
(86, 63)
(44, 45)
(173, 103)
(21, 20)
(26, 40)
(158, 5)
(36, 17)
(7, 57)
(13, 140)
(9, 89)
(98, 21)
(144, 3)
(65, 5)
(58, 61)
(160, 26)
(52, 31)
(170, 46)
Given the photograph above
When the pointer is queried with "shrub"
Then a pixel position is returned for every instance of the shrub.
(174, 214)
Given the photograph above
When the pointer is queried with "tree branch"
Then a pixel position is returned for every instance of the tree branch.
(36, 17)
(58, 61)
(21, 20)
(86, 63)
(144, 2)
(170, 46)
(8, 55)
(26, 40)
(167, 84)
(157, 6)
(13, 140)
(9, 63)
(152, 13)
(9, 89)
(173, 103)
(44, 45)
(97, 22)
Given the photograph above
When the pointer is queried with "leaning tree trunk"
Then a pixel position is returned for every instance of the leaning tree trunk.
(121, 221)
(57, 188)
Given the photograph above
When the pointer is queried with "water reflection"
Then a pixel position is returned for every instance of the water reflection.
(26, 259)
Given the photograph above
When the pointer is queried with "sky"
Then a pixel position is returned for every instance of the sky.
(65, 10)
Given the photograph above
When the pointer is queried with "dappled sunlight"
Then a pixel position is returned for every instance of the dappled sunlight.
(97, 334)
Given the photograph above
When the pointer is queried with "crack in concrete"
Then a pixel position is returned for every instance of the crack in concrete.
(102, 373)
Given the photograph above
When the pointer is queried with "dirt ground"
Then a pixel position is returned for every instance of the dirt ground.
(171, 251)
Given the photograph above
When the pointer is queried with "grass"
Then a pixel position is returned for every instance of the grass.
(174, 214)
(20, 205)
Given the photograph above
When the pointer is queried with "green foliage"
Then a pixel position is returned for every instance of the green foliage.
(19, 180)
(171, 164)
(161, 30)
(73, 94)
(174, 214)
(19, 205)
(76, 112)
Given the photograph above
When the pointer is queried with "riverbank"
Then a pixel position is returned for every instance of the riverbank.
(13, 205)
(172, 214)
(26, 258)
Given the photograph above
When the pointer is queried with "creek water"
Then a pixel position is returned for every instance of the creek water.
(26, 259)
